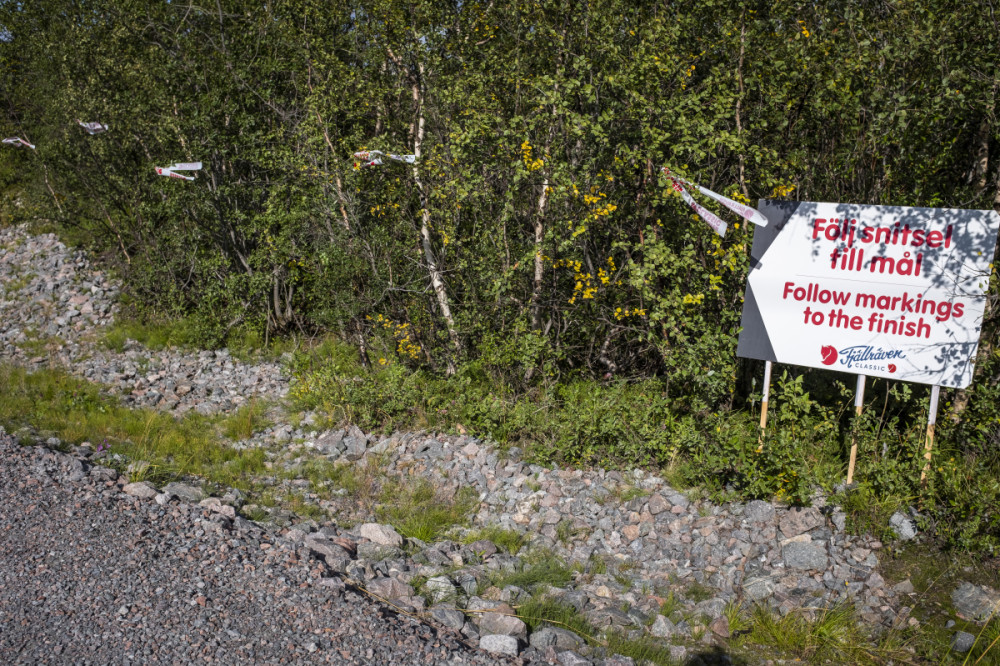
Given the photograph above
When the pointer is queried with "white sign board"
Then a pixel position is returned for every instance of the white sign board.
(883, 291)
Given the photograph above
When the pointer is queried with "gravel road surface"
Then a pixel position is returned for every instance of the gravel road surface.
(89, 575)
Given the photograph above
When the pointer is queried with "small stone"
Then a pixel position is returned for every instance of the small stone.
(962, 641)
(976, 602)
(720, 627)
(499, 644)
(561, 639)
(799, 520)
(904, 528)
(619, 660)
(758, 511)
(141, 489)
(905, 587)
(662, 627)
(498, 623)
(449, 617)
(758, 589)
(440, 589)
(389, 588)
(383, 535)
(570, 658)
(805, 556)
(657, 504)
(483, 548)
(184, 492)
(678, 653)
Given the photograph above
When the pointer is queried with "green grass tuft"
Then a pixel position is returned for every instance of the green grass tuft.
(538, 567)
(510, 541)
(246, 420)
(77, 411)
(418, 511)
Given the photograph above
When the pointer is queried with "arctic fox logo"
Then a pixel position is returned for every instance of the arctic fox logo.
(829, 354)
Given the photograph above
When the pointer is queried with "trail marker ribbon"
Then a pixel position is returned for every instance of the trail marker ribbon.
(93, 128)
(171, 171)
(714, 221)
(369, 158)
(18, 141)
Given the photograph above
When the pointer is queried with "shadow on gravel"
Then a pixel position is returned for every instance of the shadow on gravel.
(714, 657)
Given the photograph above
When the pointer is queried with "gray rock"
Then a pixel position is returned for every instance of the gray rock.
(483, 548)
(322, 546)
(561, 639)
(806, 556)
(184, 492)
(571, 658)
(356, 443)
(678, 653)
(608, 617)
(962, 641)
(662, 627)
(619, 660)
(141, 489)
(331, 442)
(905, 587)
(499, 644)
(383, 535)
(758, 589)
(904, 527)
(498, 623)
(440, 588)
(758, 511)
(389, 588)
(798, 520)
(976, 602)
(710, 608)
(449, 617)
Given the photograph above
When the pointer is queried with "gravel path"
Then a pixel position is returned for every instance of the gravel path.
(89, 575)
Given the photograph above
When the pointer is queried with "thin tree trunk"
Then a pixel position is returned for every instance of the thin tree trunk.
(536, 292)
(437, 280)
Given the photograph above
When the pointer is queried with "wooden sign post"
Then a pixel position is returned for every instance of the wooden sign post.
(859, 399)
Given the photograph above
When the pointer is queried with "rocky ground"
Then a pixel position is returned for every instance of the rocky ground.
(668, 564)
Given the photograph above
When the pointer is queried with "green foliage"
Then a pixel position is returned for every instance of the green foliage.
(784, 464)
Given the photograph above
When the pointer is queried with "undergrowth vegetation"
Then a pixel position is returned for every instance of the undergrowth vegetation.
(627, 424)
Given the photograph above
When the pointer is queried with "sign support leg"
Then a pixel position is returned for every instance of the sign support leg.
(931, 420)
(763, 402)
(859, 399)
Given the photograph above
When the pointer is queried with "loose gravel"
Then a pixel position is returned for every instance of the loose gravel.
(90, 575)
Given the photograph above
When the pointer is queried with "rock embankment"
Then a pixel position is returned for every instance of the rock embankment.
(54, 308)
